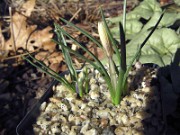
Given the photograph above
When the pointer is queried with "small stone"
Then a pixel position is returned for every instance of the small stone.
(136, 122)
(103, 113)
(103, 122)
(91, 132)
(74, 130)
(143, 115)
(112, 121)
(101, 80)
(55, 128)
(94, 94)
(85, 127)
(43, 106)
(65, 128)
(120, 130)
(138, 65)
(95, 121)
(108, 131)
(94, 87)
(137, 132)
(125, 119)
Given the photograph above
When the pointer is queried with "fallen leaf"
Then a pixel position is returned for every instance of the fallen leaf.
(55, 67)
(55, 57)
(52, 60)
(2, 42)
(96, 51)
(41, 56)
(42, 38)
(21, 32)
(28, 7)
(78, 64)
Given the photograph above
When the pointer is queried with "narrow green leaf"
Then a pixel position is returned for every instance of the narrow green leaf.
(86, 50)
(42, 64)
(119, 88)
(100, 68)
(55, 76)
(66, 54)
(123, 48)
(152, 31)
(80, 87)
(83, 32)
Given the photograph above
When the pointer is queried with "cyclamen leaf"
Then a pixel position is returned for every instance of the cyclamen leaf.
(177, 2)
(145, 9)
(133, 26)
(167, 20)
(159, 49)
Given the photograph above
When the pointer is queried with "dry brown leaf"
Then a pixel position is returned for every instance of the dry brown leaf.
(42, 38)
(28, 7)
(63, 67)
(77, 63)
(21, 32)
(56, 57)
(52, 60)
(2, 42)
(41, 56)
(96, 51)
(55, 67)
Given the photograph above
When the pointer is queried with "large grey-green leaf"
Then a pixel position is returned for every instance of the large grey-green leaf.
(159, 49)
(168, 19)
(145, 10)
(133, 27)
(177, 2)
(162, 45)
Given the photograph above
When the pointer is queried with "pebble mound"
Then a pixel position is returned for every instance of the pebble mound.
(139, 112)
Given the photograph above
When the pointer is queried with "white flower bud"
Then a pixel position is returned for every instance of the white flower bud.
(105, 39)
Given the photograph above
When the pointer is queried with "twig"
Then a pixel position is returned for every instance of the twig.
(75, 15)
(12, 29)
(16, 56)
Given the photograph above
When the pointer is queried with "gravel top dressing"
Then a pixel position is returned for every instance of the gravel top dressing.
(139, 111)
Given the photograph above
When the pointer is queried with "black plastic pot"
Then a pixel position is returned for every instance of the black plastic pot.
(25, 127)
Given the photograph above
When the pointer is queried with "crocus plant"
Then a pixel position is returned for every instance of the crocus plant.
(117, 73)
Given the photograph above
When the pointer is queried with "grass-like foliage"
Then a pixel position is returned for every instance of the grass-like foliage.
(77, 83)
(115, 76)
